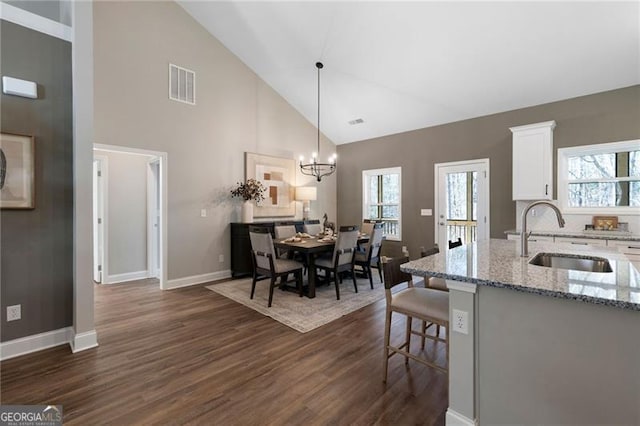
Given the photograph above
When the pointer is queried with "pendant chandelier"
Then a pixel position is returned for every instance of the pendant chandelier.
(315, 167)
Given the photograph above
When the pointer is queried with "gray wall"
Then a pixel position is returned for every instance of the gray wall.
(552, 361)
(37, 244)
(127, 215)
(236, 112)
(604, 117)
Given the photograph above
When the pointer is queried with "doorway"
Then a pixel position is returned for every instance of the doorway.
(130, 211)
(462, 202)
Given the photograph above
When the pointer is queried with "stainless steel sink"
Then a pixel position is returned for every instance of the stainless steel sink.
(569, 261)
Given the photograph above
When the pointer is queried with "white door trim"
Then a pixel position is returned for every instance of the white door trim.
(100, 191)
(152, 201)
(484, 163)
(163, 163)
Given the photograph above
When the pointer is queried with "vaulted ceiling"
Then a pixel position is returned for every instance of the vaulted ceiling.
(400, 66)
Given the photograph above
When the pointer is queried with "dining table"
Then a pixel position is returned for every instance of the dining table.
(310, 248)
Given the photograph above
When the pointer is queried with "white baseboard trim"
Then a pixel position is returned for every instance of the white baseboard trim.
(129, 276)
(197, 279)
(83, 341)
(34, 343)
(453, 418)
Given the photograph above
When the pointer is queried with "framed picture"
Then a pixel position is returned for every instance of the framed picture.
(16, 171)
(278, 176)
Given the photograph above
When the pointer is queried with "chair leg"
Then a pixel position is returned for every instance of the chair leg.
(438, 330)
(353, 275)
(408, 339)
(335, 279)
(370, 276)
(424, 330)
(380, 269)
(253, 285)
(387, 336)
(271, 287)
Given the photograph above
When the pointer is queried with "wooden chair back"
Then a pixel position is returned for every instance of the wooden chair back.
(262, 248)
(345, 248)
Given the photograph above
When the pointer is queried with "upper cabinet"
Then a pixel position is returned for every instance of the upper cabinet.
(533, 161)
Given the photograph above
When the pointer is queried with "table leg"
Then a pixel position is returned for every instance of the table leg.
(312, 276)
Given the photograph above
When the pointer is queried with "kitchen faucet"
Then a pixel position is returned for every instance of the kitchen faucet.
(524, 236)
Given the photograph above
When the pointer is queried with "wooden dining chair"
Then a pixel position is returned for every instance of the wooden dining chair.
(414, 302)
(370, 257)
(343, 257)
(281, 232)
(267, 265)
(312, 227)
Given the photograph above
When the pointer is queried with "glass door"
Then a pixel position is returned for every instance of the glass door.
(463, 198)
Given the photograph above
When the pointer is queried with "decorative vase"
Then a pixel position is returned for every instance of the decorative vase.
(247, 212)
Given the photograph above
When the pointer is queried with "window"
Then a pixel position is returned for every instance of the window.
(381, 199)
(600, 178)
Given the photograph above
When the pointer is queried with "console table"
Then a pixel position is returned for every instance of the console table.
(241, 245)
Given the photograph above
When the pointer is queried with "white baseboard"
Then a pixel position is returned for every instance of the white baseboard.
(197, 279)
(83, 341)
(37, 342)
(129, 276)
(453, 418)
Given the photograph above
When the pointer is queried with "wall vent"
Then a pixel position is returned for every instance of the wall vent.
(356, 121)
(182, 84)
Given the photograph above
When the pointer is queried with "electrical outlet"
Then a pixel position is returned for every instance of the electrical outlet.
(203, 212)
(460, 321)
(14, 312)
(533, 212)
(221, 258)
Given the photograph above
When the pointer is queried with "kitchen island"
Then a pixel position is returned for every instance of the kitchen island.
(543, 345)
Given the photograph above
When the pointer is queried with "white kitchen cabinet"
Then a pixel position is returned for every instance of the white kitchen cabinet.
(533, 161)
(581, 241)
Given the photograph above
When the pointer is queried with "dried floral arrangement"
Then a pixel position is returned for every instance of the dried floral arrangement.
(249, 190)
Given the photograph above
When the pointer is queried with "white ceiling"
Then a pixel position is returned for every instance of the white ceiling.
(409, 65)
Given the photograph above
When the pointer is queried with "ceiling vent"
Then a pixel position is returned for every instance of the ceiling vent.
(182, 85)
(356, 121)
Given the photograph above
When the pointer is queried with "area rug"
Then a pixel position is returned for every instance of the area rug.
(301, 313)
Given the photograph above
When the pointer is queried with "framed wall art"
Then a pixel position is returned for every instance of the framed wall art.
(17, 178)
(278, 176)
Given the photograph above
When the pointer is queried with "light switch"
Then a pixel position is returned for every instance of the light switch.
(426, 212)
(203, 213)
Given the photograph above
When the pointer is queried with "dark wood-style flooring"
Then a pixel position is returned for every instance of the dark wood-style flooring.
(192, 356)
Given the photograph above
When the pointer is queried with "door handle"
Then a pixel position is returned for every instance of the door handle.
(441, 224)
(546, 189)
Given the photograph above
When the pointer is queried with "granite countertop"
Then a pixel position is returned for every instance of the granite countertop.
(599, 235)
(497, 263)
